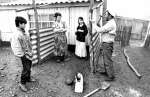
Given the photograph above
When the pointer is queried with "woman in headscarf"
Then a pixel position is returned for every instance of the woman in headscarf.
(60, 39)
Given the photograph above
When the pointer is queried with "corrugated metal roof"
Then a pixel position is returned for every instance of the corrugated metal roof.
(41, 2)
(5, 1)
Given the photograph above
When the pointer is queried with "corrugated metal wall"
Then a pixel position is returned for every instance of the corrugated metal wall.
(70, 16)
(46, 44)
(64, 11)
(76, 12)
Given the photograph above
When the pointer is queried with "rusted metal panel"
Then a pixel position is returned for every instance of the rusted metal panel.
(35, 56)
(46, 46)
(46, 38)
(46, 54)
(46, 43)
(34, 61)
(50, 49)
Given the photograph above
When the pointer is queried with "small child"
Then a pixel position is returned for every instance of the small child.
(21, 47)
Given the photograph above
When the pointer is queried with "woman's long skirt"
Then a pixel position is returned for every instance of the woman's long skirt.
(60, 44)
(80, 49)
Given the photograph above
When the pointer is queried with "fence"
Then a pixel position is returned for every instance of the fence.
(46, 43)
(130, 29)
(139, 27)
(123, 35)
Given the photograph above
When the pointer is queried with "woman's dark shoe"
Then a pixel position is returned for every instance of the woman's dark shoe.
(67, 59)
(86, 58)
(58, 61)
(62, 58)
(103, 73)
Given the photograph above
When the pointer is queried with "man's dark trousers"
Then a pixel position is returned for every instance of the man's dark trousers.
(107, 50)
(26, 72)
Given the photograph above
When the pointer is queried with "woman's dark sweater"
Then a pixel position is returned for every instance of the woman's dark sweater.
(81, 35)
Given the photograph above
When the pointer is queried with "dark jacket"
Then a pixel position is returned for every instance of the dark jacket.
(81, 35)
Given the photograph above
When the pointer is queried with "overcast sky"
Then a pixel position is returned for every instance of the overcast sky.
(139, 9)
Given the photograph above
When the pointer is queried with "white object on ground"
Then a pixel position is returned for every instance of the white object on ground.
(79, 83)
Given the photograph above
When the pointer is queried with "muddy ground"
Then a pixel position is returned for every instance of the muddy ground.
(51, 76)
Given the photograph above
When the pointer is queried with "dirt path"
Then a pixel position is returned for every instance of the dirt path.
(51, 76)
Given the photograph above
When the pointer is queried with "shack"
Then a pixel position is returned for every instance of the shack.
(70, 10)
(43, 44)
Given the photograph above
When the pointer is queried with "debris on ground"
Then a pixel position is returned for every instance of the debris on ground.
(1, 89)
(51, 76)
(2, 67)
(134, 92)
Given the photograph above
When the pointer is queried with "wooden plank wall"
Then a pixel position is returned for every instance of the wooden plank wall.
(125, 36)
(130, 29)
(46, 43)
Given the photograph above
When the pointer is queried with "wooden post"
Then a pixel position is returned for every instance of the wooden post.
(37, 29)
(147, 41)
(90, 31)
(147, 37)
(104, 9)
(91, 14)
